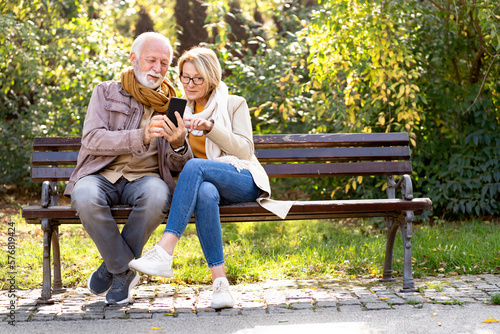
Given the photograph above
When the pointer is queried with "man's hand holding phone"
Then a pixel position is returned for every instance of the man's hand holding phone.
(162, 126)
(175, 131)
(175, 135)
(171, 126)
(154, 129)
(176, 105)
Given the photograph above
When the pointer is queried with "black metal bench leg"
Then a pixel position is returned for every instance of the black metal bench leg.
(391, 236)
(46, 295)
(56, 253)
(406, 231)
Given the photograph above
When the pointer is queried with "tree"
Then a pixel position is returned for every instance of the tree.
(144, 23)
(190, 16)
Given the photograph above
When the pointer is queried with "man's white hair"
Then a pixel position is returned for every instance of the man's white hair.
(139, 41)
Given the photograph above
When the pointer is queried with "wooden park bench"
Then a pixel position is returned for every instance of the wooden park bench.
(283, 156)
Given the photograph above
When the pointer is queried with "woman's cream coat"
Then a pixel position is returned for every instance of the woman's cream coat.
(239, 143)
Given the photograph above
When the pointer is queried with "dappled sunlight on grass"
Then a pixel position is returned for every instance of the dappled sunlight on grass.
(276, 250)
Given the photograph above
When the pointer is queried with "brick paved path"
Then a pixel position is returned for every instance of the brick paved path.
(289, 296)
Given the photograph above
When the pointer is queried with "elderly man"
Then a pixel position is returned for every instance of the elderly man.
(129, 147)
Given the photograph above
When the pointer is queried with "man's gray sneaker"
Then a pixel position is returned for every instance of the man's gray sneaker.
(100, 280)
(122, 285)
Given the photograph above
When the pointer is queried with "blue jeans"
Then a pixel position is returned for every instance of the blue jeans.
(92, 197)
(201, 186)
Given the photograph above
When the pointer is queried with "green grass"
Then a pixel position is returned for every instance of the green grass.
(436, 286)
(413, 302)
(276, 250)
(495, 299)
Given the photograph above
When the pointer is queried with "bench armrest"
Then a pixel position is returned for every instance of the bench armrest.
(50, 194)
(404, 183)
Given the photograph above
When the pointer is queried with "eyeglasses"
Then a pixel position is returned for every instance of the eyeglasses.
(196, 80)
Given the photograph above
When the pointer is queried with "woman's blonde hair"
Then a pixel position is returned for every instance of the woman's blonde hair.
(206, 63)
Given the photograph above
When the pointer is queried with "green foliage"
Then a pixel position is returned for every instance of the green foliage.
(495, 299)
(51, 57)
(457, 161)
(362, 57)
(275, 79)
(465, 180)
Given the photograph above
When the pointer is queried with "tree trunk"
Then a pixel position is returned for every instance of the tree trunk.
(190, 16)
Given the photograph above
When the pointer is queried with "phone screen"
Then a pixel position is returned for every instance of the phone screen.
(176, 104)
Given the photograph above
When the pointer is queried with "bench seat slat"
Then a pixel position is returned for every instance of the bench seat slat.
(253, 210)
(267, 217)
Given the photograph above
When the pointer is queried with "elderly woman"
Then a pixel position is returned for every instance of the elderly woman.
(224, 170)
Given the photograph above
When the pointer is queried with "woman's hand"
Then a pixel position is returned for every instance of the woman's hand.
(195, 123)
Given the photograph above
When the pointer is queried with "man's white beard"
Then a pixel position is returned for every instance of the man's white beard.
(142, 77)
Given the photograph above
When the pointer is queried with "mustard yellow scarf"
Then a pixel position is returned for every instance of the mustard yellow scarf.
(157, 100)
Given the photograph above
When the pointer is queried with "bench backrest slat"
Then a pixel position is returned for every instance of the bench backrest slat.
(266, 141)
(56, 143)
(51, 173)
(339, 169)
(333, 154)
(332, 140)
(278, 171)
(294, 155)
(54, 158)
(269, 155)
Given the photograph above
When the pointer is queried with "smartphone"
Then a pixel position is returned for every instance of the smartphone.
(176, 104)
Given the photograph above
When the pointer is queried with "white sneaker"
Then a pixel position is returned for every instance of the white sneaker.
(222, 296)
(155, 261)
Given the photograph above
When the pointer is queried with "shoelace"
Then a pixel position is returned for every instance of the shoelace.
(103, 272)
(152, 254)
(221, 288)
(120, 283)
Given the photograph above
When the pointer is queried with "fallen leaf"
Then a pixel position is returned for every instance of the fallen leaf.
(491, 320)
